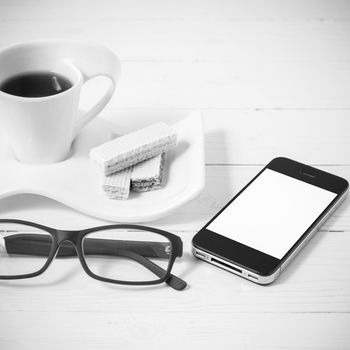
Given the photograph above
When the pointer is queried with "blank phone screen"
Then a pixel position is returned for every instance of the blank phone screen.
(272, 213)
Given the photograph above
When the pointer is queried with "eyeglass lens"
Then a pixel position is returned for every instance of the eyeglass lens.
(127, 255)
(18, 255)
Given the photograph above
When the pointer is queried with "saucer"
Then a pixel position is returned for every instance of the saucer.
(77, 183)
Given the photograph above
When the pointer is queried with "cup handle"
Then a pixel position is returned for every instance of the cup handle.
(93, 61)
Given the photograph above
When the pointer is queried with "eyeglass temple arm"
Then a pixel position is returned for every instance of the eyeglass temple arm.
(36, 244)
(39, 244)
(173, 281)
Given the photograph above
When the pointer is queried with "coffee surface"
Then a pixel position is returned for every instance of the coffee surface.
(36, 84)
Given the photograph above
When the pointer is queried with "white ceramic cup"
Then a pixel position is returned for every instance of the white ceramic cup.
(41, 129)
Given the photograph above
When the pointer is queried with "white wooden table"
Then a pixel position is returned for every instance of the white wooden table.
(271, 78)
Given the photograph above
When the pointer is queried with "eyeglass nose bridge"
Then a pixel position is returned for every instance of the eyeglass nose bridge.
(65, 235)
(67, 244)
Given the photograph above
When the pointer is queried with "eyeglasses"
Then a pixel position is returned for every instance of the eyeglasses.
(120, 254)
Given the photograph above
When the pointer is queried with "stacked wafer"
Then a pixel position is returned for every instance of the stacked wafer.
(134, 161)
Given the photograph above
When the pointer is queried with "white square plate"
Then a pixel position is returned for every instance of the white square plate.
(77, 183)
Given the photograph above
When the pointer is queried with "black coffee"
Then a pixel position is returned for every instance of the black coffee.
(35, 84)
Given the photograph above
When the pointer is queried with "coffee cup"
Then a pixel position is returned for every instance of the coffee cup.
(40, 86)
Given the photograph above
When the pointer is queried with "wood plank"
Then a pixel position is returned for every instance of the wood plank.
(260, 85)
(127, 330)
(313, 137)
(179, 10)
(197, 40)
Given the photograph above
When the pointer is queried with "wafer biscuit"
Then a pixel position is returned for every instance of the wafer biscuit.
(134, 148)
(148, 175)
(117, 185)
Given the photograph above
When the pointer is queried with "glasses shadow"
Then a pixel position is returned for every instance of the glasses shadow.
(134, 288)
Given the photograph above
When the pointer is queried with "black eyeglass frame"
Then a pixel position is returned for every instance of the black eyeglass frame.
(76, 238)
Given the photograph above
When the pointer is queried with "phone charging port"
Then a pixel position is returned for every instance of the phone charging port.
(226, 265)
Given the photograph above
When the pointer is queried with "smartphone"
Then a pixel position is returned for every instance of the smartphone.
(259, 231)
